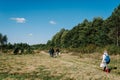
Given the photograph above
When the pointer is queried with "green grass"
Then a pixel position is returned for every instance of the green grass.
(12, 64)
(39, 74)
(67, 67)
(115, 60)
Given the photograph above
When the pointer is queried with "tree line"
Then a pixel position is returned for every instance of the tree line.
(86, 37)
(17, 48)
(91, 34)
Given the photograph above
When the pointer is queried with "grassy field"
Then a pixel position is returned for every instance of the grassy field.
(41, 66)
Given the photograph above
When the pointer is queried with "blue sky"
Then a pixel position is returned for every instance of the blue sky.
(36, 21)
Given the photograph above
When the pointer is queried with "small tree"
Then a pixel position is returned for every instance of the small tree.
(3, 40)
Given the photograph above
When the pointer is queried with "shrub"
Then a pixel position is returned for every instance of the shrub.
(113, 49)
(90, 48)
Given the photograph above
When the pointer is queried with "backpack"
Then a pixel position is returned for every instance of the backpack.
(107, 59)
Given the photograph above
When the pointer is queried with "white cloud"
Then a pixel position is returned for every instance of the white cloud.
(19, 20)
(52, 22)
(30, 34)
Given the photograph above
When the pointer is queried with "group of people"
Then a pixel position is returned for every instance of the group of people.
(54, 53)
(104, 63)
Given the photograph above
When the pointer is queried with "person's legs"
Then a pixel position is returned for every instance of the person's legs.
(104, 68)
(56, 53)
(107, 69)
(52, 54)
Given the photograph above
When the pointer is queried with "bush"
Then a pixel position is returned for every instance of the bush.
(90, 48)
(113, 49)
(86, 49)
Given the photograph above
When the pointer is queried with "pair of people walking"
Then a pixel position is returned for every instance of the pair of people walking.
(54, 53)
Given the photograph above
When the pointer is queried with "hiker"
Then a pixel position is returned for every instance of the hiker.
(105, 61)
(57, 52)
(51, 52)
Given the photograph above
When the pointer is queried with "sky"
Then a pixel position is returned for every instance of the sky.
(37, 21)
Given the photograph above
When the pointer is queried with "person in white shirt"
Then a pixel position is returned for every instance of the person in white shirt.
(105, 61)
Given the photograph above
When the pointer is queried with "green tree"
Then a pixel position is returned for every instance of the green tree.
(50, 43)
(3, 40)
(114, 25)
(57, 38)
(64, 39)
(97, 32)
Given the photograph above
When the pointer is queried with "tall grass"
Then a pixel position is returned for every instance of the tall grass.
(40, 74)
(67, 67)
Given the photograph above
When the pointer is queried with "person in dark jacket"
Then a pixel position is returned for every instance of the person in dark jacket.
(51, 51)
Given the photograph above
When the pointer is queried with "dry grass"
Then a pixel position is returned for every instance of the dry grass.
(67, 67)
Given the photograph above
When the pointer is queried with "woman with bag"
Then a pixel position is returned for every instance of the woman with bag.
(105, 61)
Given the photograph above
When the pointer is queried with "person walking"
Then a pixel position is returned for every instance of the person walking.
(57, 52)
(105, 61)
(52, 52)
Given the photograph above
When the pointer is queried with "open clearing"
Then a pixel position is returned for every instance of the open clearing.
(41, 66)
